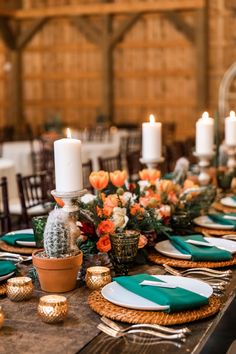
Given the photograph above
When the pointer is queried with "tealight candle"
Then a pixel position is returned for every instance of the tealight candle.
(97, 277)
(68, 164)
(205, 135)
(151, 139)
(19, 288)
(53, 308)
(230, 129)
(2, 317)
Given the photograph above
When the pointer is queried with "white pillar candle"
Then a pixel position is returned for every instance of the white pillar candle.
(230, 129)
(68, 164)
(205, 134)
(151, 139)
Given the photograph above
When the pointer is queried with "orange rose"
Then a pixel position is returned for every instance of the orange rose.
(150, 175)
(142, 241)
(110, 202)
(166, 186)
(136, 209)
(99, 180)
(104, 244)
(106, 227)
(118, 178)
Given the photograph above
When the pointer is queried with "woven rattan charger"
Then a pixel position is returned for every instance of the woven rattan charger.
(105, 308)
(22, 250)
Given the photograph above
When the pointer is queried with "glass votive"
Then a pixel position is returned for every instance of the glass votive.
(2, 317)
(53, 308)
(39, 223)
(97, 277)
(19, 288)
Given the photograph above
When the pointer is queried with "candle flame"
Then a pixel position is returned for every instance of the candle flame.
(205, 115)
(152, 118)
(68, 133)
(232, 114)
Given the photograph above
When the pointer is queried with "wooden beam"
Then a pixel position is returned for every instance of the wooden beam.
(89, 30)
(180, 24)
(7, 33)
(123, 29)
(202, 59)
(6, 12)
(24, 38)
(110, 8)
(231, 4)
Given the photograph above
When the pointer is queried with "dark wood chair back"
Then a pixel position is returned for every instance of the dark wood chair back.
(110, 164)
(134, 165)
(5, 219)
(87, 169)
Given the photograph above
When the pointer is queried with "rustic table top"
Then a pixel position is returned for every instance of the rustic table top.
(24, 332)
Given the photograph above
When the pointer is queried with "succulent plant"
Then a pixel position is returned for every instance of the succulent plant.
(60, 235)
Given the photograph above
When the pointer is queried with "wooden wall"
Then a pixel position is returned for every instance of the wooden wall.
(154, 70)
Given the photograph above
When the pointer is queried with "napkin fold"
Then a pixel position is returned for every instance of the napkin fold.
(6, 267)
(11, 238)
(177, 299)
(199, 253)
(219, 219)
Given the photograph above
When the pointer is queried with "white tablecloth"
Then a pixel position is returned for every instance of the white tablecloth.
(7, 169)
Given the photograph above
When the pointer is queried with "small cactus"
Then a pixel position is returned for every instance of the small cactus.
(60, 235)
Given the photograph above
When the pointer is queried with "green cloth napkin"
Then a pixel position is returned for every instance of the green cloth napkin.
(234, 198)
(219, 219)
(11, 238)
(199, 253)
(178, 299)
(6, 267)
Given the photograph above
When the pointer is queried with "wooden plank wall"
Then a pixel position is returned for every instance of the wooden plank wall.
(154, 70)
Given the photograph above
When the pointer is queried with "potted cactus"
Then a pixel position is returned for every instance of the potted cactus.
(58, 264)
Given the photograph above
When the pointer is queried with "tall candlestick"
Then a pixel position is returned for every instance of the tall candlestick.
(205, 135)
(151, 139)
(230, 129)
(68, 164)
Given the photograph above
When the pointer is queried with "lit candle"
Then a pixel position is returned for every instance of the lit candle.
(205, 134)
(230, 129)
(151, 139)
(68, 164)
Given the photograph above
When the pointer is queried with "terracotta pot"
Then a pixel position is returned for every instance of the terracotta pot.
(59, 274)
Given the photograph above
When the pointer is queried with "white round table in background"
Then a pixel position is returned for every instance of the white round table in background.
(7, 169)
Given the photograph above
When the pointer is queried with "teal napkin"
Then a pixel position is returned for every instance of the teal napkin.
(178, 299)
(219, 219)
(11, 238)
(199, 253)
(6, 267)
(234, 198)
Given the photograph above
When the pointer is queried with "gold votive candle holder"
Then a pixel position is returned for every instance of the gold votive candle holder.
(2, 317)
(53, 308)
(97, 277)
(19, 288)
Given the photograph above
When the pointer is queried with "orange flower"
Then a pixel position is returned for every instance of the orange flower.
(59, 201)
(104, 244)
(150, 175)
(190, 184)
(99, 180)
(111, 201)
(136, 209)
(166, 186)
(142, 241)
(118, 178)
(106, 227)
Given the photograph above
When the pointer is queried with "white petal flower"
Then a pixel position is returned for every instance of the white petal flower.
(119, 217)
(143, 185)
(88, 198)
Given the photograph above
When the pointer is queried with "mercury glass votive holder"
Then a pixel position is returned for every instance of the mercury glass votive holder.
(53, 308)
(19, 288)
(97, 277)
(2, 317)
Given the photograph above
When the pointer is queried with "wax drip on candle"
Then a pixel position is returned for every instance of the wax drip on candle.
(232, 114)
(152, 119)
(205, 115)
(68, 133)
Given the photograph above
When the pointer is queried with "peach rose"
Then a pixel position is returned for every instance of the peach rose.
(99, 180)
(104, 244)
(165, 186)
(118, 178)
(150, 175)
(142, 241)
(106, 227)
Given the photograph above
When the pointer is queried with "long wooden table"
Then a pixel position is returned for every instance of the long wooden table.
(24, 332)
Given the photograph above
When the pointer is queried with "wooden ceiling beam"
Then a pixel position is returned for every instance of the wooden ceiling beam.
(7, 33)
(89, 30)
(107, 8)
(125, 26)
(25, 37)
(181, 25)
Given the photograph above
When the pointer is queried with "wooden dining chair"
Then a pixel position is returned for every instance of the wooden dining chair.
(87, 169)
(5, 218)
(34, 194)
(110, 164)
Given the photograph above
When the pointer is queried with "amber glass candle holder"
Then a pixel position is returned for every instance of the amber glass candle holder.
(97, 277)
(53, 308)
(19, 288)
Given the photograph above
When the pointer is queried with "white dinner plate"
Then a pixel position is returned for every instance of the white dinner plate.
(166, 247)
(24, 243)
(120, 296)
(3, 277)
(228, 201)
(204, 221)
